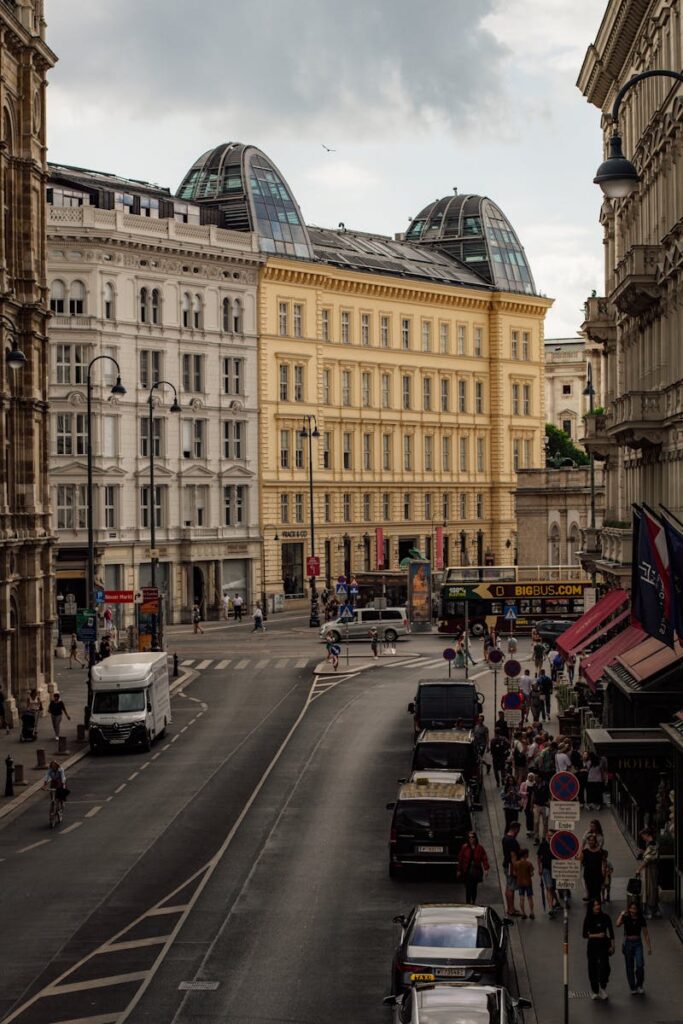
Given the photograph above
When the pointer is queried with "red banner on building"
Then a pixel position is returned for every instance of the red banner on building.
(379, 542)
(438, 554)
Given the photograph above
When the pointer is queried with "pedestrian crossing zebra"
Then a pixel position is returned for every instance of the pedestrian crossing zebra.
(238, 664)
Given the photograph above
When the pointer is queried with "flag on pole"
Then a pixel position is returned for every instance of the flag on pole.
(651, 579)
(673, 531)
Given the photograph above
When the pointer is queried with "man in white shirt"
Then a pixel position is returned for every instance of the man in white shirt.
(525, 689)
(237, 603)
(563, 761)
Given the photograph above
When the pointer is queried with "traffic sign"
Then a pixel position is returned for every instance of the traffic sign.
(511, 668)
(512, 701)
(86, 625)
(335, 649)
(495, 656)
(564, 786)
(340, 587)
(564, 813)
(312, 565)
(353, 590)
(119, 596)
(564, 845)
(513, 718)
(449, 654)
(346, 613)
(511, 615)
(566, 873)
(99, 595)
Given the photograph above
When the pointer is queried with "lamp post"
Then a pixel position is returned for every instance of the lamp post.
(310, 430)
(589, 392)
(15, 358)
(117, 389)
(175, 407)
(616, 176)
(264, 596)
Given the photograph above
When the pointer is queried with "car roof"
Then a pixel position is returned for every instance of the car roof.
(440, 775)
(435, 912)
(433, 791)
(454, 684)
(445, 736)
(457, 995)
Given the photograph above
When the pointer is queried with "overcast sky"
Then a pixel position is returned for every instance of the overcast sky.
(415, 98)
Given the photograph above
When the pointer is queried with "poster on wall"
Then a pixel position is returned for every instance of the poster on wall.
(420, 595)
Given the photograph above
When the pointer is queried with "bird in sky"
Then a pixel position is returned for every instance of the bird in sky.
(327, 148)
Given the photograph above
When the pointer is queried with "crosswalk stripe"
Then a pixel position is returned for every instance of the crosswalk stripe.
(221, 664)
(202, 665)
(282, 663)
(301, 663)
(263, 663)
(190, 661)
(242, 664)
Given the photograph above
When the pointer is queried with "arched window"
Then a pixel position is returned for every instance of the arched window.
(554, 545)
(57, 296)
(156, 306)
(573, 545)
(108, 301)
(77, 298)
(226, 316)
(144, 299)
(237, 316)
(197, 311)
(186, 309)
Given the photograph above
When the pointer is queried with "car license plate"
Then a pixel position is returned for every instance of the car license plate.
(451, 972)
(117, 739)
(431, 849)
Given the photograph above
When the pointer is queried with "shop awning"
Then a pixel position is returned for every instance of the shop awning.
(647, 666)
(619, 620)
(595, 664)
(591, 621)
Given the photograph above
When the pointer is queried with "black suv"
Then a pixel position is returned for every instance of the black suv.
(442, 704)
(450, 749)
(550, 629)
(429, 824)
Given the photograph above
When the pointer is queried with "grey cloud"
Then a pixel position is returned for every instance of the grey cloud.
(296, 66)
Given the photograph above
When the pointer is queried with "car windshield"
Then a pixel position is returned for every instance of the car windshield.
(443, 755)
(113, 701)
(451, 935)
(432, 817)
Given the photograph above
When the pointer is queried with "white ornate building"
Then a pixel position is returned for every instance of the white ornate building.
(135, 275)
(566, 374)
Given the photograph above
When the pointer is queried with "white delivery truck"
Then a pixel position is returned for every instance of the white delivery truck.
(131, 701)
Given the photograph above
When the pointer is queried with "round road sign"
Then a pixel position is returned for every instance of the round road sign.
(512, 668)
(564, 786)
(564, 845)
(511, 701)
(449, 654)
(495, 656)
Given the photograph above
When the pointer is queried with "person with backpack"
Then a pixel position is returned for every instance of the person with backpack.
(520, 761)
(196, 619)
(547, 761)
(473, 866)
(538, 652)
(511, 801)
(500, 751)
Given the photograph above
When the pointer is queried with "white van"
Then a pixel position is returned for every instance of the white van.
(131, 701)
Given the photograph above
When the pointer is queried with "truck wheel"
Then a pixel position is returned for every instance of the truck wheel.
(392, 870)
(147, 743)
(391, 635)
(477, 629)
(163, 731)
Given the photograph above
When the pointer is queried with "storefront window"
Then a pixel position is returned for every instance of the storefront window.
(293, 569)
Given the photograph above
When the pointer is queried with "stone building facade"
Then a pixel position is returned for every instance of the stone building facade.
(566, 373)
(553, 508)
(26, 598)
(135, 275)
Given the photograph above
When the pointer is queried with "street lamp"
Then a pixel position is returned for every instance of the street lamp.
(15, 358)
(616, 176)
(117, 389)
(175, 407)
(589, 393)
(310, 430)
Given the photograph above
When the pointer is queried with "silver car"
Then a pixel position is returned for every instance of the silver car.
(446, 1004)
(390, 623)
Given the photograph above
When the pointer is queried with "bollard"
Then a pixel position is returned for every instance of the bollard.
(61, 745)
(176, 670)
(19, 779)
(41, 762)
(9, 788)
(80, 733)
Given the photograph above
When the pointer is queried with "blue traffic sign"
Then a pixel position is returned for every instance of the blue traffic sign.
(511, 701)
(335, 649)
(564, 786)
(353, 590)
(341, 588)
(564, 845)
(449, 654)
(99, 595)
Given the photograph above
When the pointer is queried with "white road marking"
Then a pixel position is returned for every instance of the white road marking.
(70, 828)
(155, 756)
(262, 664)
(190, 661)
(184, 729)
(221, 665)
(174, 738)
(242, 664)
(133, 776)
(114, 947)
(93, 811)
(122, 786)
(159, 911)
(100, 1018)
(143, 766)
(25, 849)
(301, 663)
(203, 664)
(82, 986)
(281, 663)
(166, 747)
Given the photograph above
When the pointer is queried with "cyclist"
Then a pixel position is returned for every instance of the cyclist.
(55, 781)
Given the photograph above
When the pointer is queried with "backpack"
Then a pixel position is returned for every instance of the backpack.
(548, 761)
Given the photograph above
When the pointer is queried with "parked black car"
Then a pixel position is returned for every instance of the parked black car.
(430, 823)
(442, 703)
(550, 629)
(450, 749)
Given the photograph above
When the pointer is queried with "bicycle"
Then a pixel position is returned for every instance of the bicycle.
(56, 812)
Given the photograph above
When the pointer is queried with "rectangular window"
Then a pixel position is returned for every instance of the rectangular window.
(198, 439)
(567, 427)
(444, 339)
(407, 506)
(384, 333)
(526, 400)
(345, 327)
(463, 506)
(233, 376)
(515, 399)
(527, 454)
(365, 389)
(526, 345)
(346, 387)
(108, 368)
(478, 397)
(283, 319)
(462, 396)
(566, 389)
(327, 450)
(426, 336)
(346, 450)
(284, 508)
(327, 508)
(110, 507)
(479, 506)
(446, 454)
(298, 508)
(428, 506)
(367, 451)
(386, 451)
(427, 393)
(284, 449)
(109, 446)
(445, 394)
(71, 364)
(71, 507)
(233, 436)
(326, 387)
(405, 334)
(298, 319)
(144, 437)
(365, 328)
(445, 507)
(284, 382)
(367, 507)
(462, 340)
(299, 442)
(406, 383)
(516, 458)
(150, 367)
(386, 507)
(298, 383)
(193, 373)
(63, 434)
(346, 508)
(478, 335)
(386, 391)
(464, 454)
(407, 451)
(480, 455)
(145, 517)
(325, 324)
(514, 345)
(428, 453)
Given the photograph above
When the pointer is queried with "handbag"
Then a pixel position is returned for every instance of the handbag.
(634, 886)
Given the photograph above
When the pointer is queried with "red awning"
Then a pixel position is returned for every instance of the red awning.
(591, 620)
(618, 620)
(595, 664)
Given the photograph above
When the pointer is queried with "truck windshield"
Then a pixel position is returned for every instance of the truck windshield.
(115, 701)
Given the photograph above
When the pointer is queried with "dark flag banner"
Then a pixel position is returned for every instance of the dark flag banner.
(673, 531)
(651, 594)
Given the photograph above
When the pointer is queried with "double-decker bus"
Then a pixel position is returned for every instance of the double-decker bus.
(510, 598)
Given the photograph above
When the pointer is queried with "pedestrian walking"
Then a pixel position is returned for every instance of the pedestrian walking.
(512, 646)
(592, 866)
(237, 605)
(536, 703)
(258, 619)
(545, 685)
(571, 668)
(594, 829)
(227, 605)
(511, 801)
(649, 869)
(599, 933)
(374, 643)
(544, 862)
(473, 866)
(520, 759)
(595, 782)
(607, 872)
(525, 690)
(332, 654)
(73, 652)
(480, 734)
(538, 652)
(511, 852)
(541, 809)
(500, 751)
(556, 665)
(3, 715)
(501, 727)
(523, 871)
(196, 619)
(56, 708)
(634, 924)
(526, 793)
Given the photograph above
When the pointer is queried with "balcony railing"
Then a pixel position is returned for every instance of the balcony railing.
(635, 281)
(616, 542)
(600, 320)
(596, 438)
(638, 418)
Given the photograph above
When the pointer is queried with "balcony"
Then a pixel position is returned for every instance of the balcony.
(74, 323)
(600, 320)
(636, 291)
(591, 549)
(596, 439)
(615, 558)
(637, 419)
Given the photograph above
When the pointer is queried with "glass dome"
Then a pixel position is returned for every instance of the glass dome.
(249, 194)
(477, 232)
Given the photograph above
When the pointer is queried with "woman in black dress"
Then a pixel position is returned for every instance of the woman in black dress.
(599, 933)
(593, 868)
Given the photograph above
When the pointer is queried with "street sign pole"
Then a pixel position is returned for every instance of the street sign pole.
(467, 640)
(565, 957)
(495, 686)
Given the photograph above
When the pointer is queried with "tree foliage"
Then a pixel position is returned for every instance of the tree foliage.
(560, 447)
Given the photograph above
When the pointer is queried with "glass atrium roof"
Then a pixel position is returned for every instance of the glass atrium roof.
(477, 232)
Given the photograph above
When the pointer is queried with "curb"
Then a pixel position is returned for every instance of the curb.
(34, 787)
